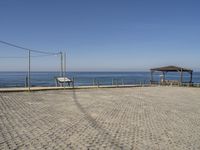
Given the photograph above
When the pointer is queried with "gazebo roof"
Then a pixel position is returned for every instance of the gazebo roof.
(172, 69)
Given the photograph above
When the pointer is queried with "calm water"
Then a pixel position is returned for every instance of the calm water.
(13, 79)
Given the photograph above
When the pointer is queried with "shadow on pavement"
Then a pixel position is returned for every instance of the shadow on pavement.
(93, 123)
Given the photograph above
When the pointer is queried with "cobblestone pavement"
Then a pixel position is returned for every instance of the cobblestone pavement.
(118, 118)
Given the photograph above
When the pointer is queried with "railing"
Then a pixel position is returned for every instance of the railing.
(196, 84)
(106, 81)
(47, 79)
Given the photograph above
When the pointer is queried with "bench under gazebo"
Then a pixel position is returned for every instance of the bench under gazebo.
(166, 69)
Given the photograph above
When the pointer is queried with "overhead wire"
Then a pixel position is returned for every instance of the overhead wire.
(27, 49)
(11, 57)
(7, 57)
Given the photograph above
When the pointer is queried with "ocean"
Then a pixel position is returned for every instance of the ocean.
(18, 79)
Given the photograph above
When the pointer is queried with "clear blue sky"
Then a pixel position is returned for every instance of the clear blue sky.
(103, 35)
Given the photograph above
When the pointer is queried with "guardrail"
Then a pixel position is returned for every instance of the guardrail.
(47, 79)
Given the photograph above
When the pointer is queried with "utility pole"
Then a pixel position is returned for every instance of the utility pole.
(29, 70)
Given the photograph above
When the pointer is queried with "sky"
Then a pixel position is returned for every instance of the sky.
(101, 35)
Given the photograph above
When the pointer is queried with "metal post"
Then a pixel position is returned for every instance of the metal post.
(56, 81)
(26, 81)
(151, 77)
(65, 64)
(73, 80)
(64, 67)
(181, 77)
(94, 82)
(29, 70)
(61, 64)
(191, 74)
(163, 76)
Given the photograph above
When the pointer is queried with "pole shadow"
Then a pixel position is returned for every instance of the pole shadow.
(93, 123)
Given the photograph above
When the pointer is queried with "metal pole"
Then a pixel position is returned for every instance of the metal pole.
(181, 77)
(94, 82)
(65, 64)
(151, 77)
(191, 74)
(73, 82)
(29, 70)
(26, 81)
(64, 67)
(61, 64)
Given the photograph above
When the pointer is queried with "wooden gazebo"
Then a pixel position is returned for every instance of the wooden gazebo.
(167, 69)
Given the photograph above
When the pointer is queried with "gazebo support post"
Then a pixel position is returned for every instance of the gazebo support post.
(181, 81)
(163, 76)
(191, 74)
(152, 76)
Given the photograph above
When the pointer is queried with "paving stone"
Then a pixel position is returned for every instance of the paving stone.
(118, 119)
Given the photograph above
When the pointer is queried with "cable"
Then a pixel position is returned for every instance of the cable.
(11, 57)
(27, 49)
(27, 57)
(45, 55)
